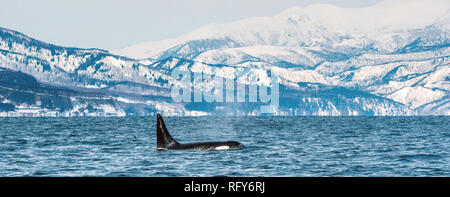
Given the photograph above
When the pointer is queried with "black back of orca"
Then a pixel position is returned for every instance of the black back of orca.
(165, 141)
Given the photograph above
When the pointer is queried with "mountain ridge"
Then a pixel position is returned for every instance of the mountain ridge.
(299, 24)
(382, 49)
(401, 72)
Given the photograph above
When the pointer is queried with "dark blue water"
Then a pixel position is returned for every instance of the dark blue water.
(275, 146)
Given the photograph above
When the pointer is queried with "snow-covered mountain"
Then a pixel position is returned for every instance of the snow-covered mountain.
(387, 59)
(91, 70)
(23, 95)
(385, 27)
(394, 49)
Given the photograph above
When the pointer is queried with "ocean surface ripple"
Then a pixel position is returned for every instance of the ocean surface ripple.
(275, 146)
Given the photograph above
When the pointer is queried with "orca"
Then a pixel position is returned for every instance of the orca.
(165, 141)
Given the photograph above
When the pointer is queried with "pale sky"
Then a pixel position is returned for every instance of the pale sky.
(114, 24)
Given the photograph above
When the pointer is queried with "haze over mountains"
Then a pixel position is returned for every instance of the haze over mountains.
(387, 59)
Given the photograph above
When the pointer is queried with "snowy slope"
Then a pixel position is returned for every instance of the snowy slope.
(91, 70)
(23, 95)
(129, 87)
(387, 59)
(316, 25)
(71, 66)
(394, 49)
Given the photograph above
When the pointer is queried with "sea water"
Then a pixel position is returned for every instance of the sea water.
(275, 146)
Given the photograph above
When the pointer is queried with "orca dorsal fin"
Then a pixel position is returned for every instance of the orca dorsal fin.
(163, 139)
